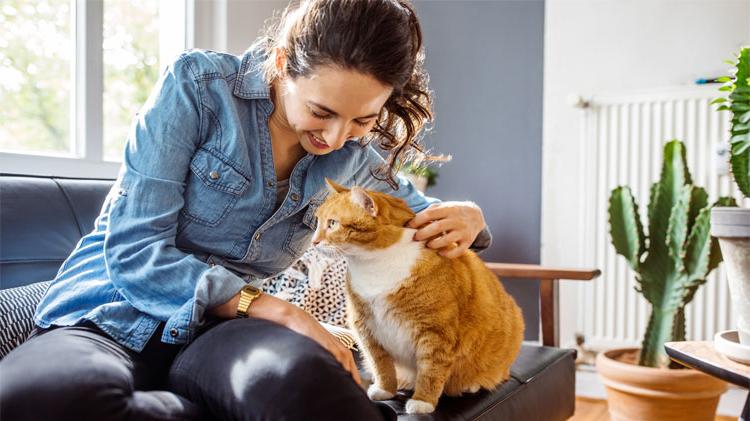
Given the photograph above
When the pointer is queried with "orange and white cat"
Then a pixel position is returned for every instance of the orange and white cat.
(425, 322)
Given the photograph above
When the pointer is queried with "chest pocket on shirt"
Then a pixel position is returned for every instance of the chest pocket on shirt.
(213, 188)
(301, 230)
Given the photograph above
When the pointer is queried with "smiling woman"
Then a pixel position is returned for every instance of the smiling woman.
(223, 170)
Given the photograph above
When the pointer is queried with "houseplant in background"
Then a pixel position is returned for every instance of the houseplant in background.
(732, 225)
(420, 175)
(670, 264)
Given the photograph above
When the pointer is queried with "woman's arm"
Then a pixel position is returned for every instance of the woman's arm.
(142, 259)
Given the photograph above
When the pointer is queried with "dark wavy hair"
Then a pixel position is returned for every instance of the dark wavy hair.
(381, 38)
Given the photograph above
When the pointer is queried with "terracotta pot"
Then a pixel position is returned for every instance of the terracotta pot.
(644, 393)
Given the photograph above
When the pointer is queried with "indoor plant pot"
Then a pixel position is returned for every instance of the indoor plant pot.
(732, 227)
(636, 392)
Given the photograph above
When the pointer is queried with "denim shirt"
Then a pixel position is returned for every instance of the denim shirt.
(192, 216)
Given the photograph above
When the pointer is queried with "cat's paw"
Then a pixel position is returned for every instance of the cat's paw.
(377, 394)
(414, 406)
(472, 389)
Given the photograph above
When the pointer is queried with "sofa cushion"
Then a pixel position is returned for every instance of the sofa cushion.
(541, 387)
(42, 220)
(17, 307)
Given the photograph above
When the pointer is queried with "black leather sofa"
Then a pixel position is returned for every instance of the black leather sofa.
(42, 219)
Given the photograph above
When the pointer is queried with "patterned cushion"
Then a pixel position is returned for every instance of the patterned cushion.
(17, 307)
(315, 283)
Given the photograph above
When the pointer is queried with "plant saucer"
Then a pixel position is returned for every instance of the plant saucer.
(728, 343)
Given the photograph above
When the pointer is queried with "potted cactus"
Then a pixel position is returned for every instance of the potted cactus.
(670, 264)
(732, 225)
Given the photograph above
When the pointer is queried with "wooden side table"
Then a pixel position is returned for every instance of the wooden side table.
(702, 356)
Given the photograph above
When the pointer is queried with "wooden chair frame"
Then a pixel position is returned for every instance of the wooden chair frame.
(548, 290)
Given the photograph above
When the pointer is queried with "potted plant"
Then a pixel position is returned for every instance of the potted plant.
(421, 176)
(670, 264)
(732, 225)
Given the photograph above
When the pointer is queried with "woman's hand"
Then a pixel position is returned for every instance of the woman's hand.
(303, 323)
(284, 313)
(451, 226)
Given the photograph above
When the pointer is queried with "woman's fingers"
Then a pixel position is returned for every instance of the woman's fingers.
(450, 239)
(346, 359)
(456, 252)
(437, 228)
(428, 215)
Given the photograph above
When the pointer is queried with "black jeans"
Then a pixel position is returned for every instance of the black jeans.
(248, 369)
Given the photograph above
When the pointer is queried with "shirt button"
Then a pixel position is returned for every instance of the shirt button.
(214, 175)
(173, 332)
(270, 184)
(257, 236)
(294, 197)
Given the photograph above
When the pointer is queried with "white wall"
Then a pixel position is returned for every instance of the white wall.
(605, 46)
(597, 46)
(231, 25)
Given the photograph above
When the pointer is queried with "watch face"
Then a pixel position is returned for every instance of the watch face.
(251, 289)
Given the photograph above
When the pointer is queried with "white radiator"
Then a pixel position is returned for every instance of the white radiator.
(623, 138)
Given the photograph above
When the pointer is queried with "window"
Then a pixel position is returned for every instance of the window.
(131, 66)
(73, 75)
(35, 76)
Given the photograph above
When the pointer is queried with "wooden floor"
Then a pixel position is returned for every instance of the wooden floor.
(596, 410)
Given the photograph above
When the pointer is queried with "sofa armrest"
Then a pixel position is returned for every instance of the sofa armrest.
(548, 290)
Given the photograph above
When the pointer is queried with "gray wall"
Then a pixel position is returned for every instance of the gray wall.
(485, 60)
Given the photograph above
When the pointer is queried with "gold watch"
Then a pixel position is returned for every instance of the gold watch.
(248, 294)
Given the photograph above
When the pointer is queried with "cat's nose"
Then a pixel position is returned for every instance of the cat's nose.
(315, 242)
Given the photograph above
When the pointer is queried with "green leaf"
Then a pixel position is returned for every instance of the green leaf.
(724, 79)
(698, 247)
(739, 138)
(740, 162)
(677, 230)
(723, 108)
(718, 100)
(698, 201)
(744, 118)
(725, 89)
(625, 225)
(742, 149)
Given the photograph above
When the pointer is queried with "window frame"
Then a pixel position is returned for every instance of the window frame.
(86, 154)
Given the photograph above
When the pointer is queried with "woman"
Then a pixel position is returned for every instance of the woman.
(223, 170)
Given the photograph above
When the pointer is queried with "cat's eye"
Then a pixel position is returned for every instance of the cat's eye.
(332, 224)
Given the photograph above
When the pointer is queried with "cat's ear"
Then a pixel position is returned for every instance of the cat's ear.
(361, 198)
(335, 187)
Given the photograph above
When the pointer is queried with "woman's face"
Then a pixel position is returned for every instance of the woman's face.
(331, 106)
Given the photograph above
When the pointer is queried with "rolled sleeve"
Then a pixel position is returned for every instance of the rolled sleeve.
(483, 240)
(142, 260)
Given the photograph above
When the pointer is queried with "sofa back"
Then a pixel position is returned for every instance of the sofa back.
(41, 221)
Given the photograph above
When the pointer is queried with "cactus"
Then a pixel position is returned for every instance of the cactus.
(678, 254)
(738, 102)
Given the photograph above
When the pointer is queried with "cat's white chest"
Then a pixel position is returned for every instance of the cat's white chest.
(382, 271)
(396, 336)
(373, 278)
